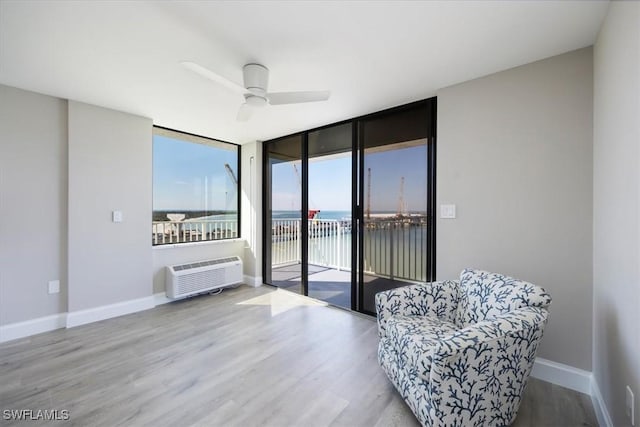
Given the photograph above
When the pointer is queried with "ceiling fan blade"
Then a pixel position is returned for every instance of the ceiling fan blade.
(210, 75)
(277, 98)
(244, 113)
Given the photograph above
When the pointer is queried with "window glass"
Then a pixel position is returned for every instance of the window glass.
(195, 188)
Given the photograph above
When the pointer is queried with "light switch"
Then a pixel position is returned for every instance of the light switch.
(54, 286)
(116, 216)
(448, 211)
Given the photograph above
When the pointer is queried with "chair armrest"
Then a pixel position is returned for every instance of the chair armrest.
(439, 299)
(478, 374)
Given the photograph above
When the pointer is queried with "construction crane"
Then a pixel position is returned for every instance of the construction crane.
(312, 212)
(295, 169)
(231, 174)
(368, 193)
(401, 206)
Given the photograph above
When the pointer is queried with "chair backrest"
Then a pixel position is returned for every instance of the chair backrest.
(484, 295)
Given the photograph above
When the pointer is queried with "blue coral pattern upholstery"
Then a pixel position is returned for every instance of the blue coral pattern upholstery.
(460, 352)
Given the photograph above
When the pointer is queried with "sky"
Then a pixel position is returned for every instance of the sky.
(189, 176)
(330, 182)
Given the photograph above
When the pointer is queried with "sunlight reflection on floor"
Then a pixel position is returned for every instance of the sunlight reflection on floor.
(281, 301)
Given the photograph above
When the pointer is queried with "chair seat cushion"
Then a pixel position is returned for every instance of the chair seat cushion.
(414, 339)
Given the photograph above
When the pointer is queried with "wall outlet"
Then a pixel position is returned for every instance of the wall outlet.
(54, 286)
(448, 211)
(630, 405)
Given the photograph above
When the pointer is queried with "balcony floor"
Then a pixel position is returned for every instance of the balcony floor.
(331, 285)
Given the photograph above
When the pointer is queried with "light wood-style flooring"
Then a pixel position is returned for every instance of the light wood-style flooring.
(246, 357)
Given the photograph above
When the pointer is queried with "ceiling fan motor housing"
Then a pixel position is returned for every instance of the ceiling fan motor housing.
(256, 78)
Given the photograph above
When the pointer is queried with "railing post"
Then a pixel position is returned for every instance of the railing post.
(339, 238)
(391, 226)
(298, 228)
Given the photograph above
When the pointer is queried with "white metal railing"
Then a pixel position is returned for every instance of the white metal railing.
(394, 248)
(166, 232)
(330, 243)
(285, 238)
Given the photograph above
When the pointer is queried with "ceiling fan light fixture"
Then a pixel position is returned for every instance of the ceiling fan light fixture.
(255, 101)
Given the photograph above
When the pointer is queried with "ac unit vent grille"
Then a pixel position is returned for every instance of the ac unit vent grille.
(201, 280)
(205, 263)
(196, 277)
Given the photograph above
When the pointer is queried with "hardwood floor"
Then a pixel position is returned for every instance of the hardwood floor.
(246, 357)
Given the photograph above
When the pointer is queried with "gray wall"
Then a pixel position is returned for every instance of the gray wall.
(109, 169)
(71, 163)
(33, 207)
(616, 255)
(515, 156)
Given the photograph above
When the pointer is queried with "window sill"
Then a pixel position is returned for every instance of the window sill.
(204, 243)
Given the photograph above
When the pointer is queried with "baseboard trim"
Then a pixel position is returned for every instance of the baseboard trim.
(252, 281)
(602, 413)
(82, 317)
(161, 298)
(14, 331)
(562, 375)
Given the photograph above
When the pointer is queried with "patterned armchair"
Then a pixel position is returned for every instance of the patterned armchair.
(460, 352)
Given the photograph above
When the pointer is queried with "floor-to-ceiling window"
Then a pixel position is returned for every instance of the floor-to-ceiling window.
(283, 213)
(349, 207)
(397, 233)
(330, 215)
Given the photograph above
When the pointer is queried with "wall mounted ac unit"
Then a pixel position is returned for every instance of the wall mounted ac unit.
(196, 277)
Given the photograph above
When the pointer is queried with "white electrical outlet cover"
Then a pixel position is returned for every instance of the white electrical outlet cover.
(54, 286)
(116, 216)
(448, 211)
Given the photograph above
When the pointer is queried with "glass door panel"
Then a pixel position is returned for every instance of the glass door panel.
(283, 211)
(395, 229)
(330, 214)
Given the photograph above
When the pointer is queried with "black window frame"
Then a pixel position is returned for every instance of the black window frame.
(358, 202)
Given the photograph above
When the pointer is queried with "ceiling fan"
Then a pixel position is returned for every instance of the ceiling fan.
(256, 80)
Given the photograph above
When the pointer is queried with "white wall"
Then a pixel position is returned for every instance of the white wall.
(616, 255)
(252, 211)
(515, 157)
(109, 169)
(33, 207)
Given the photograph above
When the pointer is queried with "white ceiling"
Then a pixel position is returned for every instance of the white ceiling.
(371, 54)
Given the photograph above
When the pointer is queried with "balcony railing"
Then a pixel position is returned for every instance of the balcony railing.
(393, 248)
(166, 232)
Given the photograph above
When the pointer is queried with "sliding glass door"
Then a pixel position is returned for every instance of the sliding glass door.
(283, 213)
(330, 199)
(397, 230)
(349, 207)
